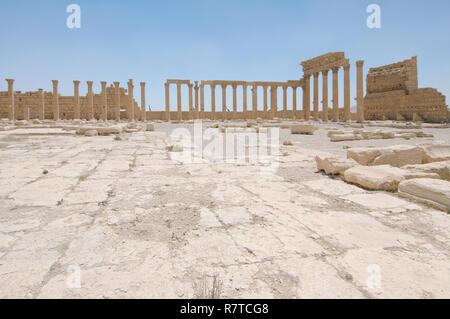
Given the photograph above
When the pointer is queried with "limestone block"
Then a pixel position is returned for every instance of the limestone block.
(373, 178)
(91, 133)
(303, 129)
(440, 168)
(334, 165)
(433, 191)
(101, 130)
(344, 137)
(435, 153)
(397, 156)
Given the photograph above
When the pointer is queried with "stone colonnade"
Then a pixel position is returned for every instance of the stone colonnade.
(226, 113)
(104, 110)
(323, 64)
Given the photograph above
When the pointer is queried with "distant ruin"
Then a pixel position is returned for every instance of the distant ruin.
(392, 94)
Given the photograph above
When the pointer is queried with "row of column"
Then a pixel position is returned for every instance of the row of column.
(335, 100)
(198, 111)
(76, 101)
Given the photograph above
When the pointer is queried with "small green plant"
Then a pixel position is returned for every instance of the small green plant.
(285, 154)
(117, 138)
(45, 172)
(345, 147)
(59, 203)
(287, 143)
(174, 148)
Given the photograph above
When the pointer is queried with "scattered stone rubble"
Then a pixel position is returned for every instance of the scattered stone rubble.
(422, 172)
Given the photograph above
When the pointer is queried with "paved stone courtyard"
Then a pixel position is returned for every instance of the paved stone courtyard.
(135, 224)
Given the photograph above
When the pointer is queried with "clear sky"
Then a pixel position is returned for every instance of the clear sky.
(250, 40)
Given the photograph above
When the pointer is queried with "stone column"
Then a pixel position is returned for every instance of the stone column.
(196, 100)
(234, 101)
(143, 107)
(179, 107)
(55, 100)
(213, 101)
(273, 100)
(76, 100)
(224, 102)
(131, 100)
(265, 101)
(244, 97)
(167, 88)
(325, 95)
(254, 101)
(284, 101)
(11, 109)
(90, 97)
(360, 90)
(316, 96)
(335, 95)
(202, 100)
(294, 100)
(117, 109)
(307, 105)
(191, 101)
(41, 107)
(347, 92)
(104, 114)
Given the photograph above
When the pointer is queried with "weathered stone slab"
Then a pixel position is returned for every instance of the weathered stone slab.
(440, 168)
(303, 129)
(334, 165)
(432, 191)
(383, 177)
(435, 153)
(101, 130)
(397, 156)
(344, 137)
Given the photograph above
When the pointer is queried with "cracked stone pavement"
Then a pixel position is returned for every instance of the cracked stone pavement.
(139, 225)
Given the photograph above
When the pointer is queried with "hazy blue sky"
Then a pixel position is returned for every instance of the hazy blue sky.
(213, 40)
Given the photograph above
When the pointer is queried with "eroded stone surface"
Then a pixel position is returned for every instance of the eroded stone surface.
(137, 225)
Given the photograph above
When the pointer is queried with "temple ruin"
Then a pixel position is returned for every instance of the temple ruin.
(392, 94)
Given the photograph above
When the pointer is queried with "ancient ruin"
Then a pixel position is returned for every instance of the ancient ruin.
(392, 94)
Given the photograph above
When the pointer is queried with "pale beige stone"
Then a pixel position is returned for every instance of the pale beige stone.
(303, 129)
(334, 165)
(440, 168)
(435, 153)
(91, 133)
(398, 155)
(383, 177)
(433, 191)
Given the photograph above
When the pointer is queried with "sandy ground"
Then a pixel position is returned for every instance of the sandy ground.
(95, 217)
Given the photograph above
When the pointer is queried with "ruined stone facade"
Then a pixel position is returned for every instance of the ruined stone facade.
(393, 94)
(27, 105)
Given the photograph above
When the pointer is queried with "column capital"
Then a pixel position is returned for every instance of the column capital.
(116, 84)
(359, 63)
(10, 81)
(336, 69)
(196, 83)
(76, 82)
(55, 82)
(325, 72)
(142, 84)
(40, 90)
(347, 66)
(316, 74)
(307, 76)
(103, 83)
(213, 86)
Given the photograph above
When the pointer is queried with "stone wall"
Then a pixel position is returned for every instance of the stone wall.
(393, 94)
